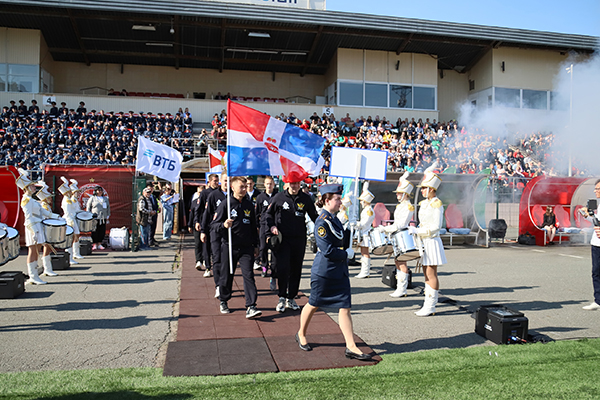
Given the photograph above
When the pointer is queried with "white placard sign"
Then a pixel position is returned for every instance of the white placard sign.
(328, 111)
(344, 163)
(48, 100)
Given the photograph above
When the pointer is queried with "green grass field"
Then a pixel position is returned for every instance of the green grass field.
(558, 370)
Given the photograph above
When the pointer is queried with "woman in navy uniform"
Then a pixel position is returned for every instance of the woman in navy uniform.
(329, 279)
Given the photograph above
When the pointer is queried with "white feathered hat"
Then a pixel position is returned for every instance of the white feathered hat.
(404, 186)
(431, 180)
(43, 193)
(64, 188)
(347, 200)
(366, 195)
(73, 186)
(23, 180)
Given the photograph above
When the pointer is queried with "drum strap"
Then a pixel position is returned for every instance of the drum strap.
(339, 235)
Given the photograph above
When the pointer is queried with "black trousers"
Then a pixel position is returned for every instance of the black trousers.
(153, 228)
(215, 247)
(263, 250)
(198, 246)
(289, 258)
(207, 253)
(245, 257)
(99, 233)
(596, 272)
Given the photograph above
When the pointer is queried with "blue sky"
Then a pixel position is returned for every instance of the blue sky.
(574, 16)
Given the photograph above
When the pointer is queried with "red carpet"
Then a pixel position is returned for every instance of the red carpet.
(211, 343)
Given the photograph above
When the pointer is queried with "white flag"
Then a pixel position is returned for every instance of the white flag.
(158, 159)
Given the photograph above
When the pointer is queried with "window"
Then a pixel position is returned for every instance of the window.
(351, 94)
(535, 99)
(424, 98)
(19, 78)
(400, 96)
(558, 102)
(376, 94)
(508, 97)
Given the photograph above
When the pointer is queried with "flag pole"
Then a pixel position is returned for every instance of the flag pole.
(230, 249)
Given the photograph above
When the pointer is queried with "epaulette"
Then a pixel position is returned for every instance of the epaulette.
(369, 213)
(411, 207)
(24, 201)
(437, 203)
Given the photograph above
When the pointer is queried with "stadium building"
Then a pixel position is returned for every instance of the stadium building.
(283, 55)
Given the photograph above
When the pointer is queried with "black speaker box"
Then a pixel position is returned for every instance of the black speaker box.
(85, 247)
(12, 284)
(497, 228)
(500, 324)
(388, 277)
(60, 261)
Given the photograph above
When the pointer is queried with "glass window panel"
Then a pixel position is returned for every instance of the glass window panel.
(2, 84)
(558, 102)
(424, 98)
(22, 69)
(351, 94)
(375, 95)
(535, 99)
(22, 84)
(400, 96)
(508, 97)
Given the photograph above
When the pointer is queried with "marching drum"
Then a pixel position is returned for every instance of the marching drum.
(68, 242)
(405, 248)
(13, 243)
(119, 238)
(86, 221)
(4, 243)
(379, 243)
(55, 230)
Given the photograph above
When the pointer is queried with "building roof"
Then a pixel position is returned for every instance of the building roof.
(214, 35)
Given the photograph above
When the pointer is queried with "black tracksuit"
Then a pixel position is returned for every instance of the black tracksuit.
(244, 239)
(262, 203)
(288, 214)
(215, 198)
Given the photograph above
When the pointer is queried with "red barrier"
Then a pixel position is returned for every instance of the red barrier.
(116, 180)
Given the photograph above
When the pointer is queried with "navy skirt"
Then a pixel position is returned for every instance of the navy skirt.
(328, 292)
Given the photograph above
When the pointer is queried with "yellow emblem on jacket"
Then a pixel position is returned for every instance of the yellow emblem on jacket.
(247, 213)
(321, 231)
(369, 212)
(300, 206)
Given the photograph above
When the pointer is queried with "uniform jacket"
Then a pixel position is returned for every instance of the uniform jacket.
(403, 214)
(215, 198)
(366, 220)
(331, 260)
(243, 230)
(431, 216)
(287, 212)
(34, 213)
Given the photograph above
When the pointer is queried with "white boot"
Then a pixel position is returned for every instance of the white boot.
(34, 278)
(365, 268)
(70, 252)
(77, 251)
(47, 264)
(431, 299)
(402, 278)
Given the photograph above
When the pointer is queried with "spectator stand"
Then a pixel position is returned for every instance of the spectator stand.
(567, 195)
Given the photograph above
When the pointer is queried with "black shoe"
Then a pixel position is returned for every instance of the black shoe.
(356, 356)
(305, 347)
(253, 312)
(224, 308)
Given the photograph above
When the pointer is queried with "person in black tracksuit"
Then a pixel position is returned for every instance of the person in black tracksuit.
(262, 203)
(193, 216)
(252, 193)
(286, 215)
(244, 245)
(213, 184)
(214, 200)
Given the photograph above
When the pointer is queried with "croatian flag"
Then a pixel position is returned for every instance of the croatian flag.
(216, 160)
(261, 145)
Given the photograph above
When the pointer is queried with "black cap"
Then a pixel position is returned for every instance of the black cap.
(274, 241)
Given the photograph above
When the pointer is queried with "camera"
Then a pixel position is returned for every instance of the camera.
(592, 205)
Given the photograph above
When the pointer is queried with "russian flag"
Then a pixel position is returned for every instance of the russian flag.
(260, 145)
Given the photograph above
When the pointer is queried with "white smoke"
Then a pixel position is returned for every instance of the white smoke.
(581, 138)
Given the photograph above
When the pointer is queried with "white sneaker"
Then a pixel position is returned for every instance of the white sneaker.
(593, 306)
(100, 247)
(281, 305)
(217, 292)
(199, 265)
(207, 273)
(291, 303)
(257, 266)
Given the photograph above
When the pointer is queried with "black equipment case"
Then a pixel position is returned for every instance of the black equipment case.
(60, 261)
(500, 324)
(12, 284)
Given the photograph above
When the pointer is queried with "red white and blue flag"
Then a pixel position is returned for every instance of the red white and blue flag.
(261, 145)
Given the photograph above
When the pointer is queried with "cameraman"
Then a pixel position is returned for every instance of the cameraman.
(591, 215)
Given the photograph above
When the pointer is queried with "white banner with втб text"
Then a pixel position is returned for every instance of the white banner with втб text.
(158, 159)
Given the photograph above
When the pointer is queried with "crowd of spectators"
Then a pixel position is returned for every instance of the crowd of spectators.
(30, 137)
